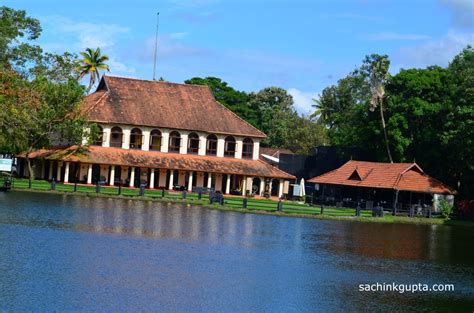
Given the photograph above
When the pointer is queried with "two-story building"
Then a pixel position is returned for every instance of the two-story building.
(165, 135)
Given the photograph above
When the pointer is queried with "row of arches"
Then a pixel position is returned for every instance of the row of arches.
(175, 142)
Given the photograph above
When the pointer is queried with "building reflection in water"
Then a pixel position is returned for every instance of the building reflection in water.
(180, 221)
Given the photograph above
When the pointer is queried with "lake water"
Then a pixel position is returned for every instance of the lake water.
(71, 253)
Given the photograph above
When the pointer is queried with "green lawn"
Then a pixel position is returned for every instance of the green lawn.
(230, 202)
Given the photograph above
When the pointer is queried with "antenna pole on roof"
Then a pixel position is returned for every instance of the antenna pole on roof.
(156, 44)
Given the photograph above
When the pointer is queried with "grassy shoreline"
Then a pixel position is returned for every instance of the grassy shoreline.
(387, 219)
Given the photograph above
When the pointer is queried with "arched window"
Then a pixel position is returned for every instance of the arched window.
(193, 143)
(247, 149)
(229, 148)
(175, 142)
(136, 139)
(100, 136)
(155, 140)
(211, 145)
(116, 136)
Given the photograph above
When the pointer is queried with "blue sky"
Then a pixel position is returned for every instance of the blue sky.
(302, 45)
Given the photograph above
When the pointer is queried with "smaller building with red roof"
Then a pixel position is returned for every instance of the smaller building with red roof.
(392, 183)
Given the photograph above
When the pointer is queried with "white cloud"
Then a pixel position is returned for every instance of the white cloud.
(434, 52)
(65, 34)
(463, 12)
(395, 36)
(84, 34)
(303, 100)
(120, 68)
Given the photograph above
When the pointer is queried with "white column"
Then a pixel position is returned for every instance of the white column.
(58, 172)
(66, 173)
(162, 179)
(171, 180)
(280, 189)
(238, 148)
(183, 149)
(250, 184)
(209, 180)
(227, 185)
(132, 176)
(112, 175)
(202, 145)
(200, 179)
(50, 174)
(190, 182)
(106, 137)
(165, 140)
(256, 150)
(262, 185)
(126, 139)
(244, 185)
(218, 184)
(146, 140)
(89, 174)
(220, 146)
(152, 178)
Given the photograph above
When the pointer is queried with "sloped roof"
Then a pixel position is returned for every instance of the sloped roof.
(163, 104)
(399, 176)
(155, 159)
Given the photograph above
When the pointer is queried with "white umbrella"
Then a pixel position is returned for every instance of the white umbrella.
(302, 192)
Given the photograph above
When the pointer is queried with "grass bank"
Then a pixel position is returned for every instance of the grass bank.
(231, 203)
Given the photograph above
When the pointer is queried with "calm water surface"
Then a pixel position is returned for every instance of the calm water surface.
(67, 253)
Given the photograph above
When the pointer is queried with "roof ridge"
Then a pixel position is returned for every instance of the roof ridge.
(152, 81)
(97, 101)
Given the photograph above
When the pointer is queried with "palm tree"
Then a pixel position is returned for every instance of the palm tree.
(92, 62)
(377, 79)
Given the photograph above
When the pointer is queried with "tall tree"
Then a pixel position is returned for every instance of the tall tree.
(375, 69)
(275, 114)
(91, 63)
(39, 93)
(17, 31)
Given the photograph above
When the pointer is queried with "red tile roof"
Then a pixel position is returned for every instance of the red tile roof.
(154, 159)
(399, 176)
(163, 104)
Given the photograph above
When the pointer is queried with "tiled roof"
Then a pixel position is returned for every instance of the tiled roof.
(154, 159)
(163, 104)
(400, 176)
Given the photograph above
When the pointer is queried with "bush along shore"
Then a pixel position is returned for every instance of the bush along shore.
(236, 203)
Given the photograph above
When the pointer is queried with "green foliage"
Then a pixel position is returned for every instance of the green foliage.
(92, 61)
(305, 135)
(16, 29)
(445, 208)
(275, 115)
(39, 92)
(429, 118)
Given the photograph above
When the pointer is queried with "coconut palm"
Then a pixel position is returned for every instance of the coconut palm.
(92, 62)
(378, 77)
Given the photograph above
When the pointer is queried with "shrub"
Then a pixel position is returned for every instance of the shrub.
(445, 208)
